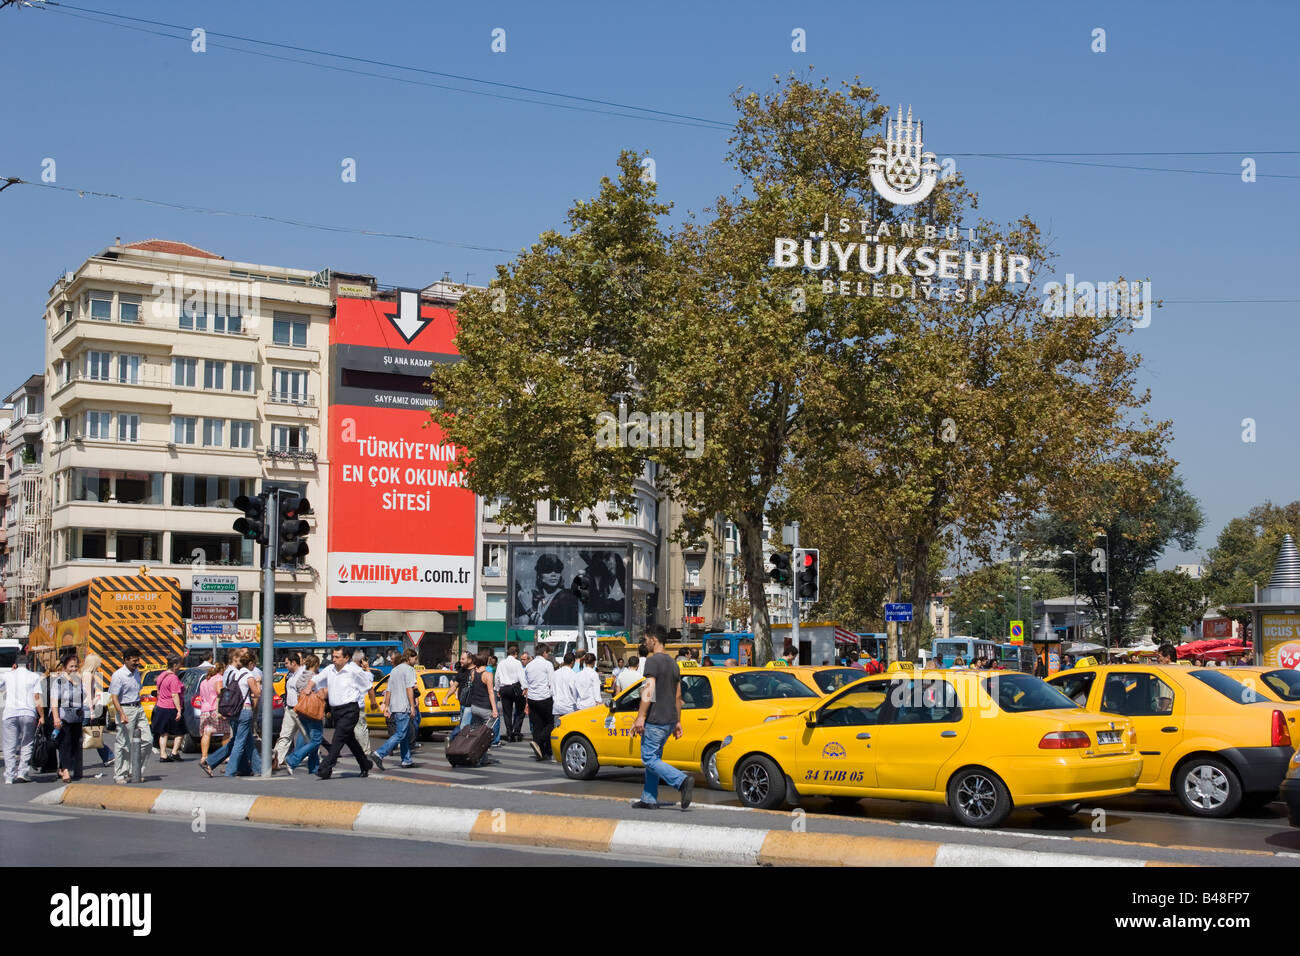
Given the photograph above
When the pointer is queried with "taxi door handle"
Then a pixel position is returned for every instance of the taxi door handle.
(864, 736)
(949, 733)
(1169, 730)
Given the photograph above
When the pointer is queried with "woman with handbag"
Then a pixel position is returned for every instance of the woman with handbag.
(68, 705)
(310, 708)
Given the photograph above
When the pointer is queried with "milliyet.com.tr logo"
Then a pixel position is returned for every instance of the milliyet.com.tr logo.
(402, 575)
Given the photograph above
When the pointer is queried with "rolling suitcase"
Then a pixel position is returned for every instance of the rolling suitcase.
(470, 746)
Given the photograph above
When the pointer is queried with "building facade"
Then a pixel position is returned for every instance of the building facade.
(27, 512)
(692, 577)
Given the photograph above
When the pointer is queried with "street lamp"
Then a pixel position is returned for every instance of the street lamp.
(1106, 535)
(1074, 594)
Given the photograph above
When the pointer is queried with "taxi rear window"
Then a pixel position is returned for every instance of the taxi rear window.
(436, 681)
(835, 679)
(1229, 688)
(1021, 693)
(1284, 683)
(769, 685)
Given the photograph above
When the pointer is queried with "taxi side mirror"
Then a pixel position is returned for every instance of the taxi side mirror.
(810, 718)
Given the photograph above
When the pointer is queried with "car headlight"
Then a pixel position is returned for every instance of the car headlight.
(725, 741)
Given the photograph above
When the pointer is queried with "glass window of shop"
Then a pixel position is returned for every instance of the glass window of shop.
(122, 487)
(225, 550)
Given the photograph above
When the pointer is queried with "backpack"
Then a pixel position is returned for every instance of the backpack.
(231, 701)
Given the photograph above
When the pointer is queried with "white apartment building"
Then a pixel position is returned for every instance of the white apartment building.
(175, 381)
(27, 506)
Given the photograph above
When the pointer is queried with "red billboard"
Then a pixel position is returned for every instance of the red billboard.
(1216, 627)
(401, 519)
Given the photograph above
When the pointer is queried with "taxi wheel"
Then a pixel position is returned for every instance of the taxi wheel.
(760, 783)
(190, 744)
(579, 758)
(977, 798)
(1207, 787)
(710, 767)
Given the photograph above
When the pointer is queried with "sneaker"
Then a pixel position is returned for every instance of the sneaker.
(8, 782)
(378, 761)
(536, 749)
(688, 788)
(642, 805)
(23, 778)
(287, 769)
(323, 775)
(406, 766)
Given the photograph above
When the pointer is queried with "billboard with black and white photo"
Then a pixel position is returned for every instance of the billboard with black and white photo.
(540, 579)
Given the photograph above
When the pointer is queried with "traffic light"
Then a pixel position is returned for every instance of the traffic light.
(581, 588)
(293, 508)
(253, 526)
(806, 576)
(780, 572)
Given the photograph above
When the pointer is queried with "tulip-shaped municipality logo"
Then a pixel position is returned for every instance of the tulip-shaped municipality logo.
(900, 172)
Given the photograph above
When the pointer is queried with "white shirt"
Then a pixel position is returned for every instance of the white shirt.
(21, 687)
(540, 676)
(510, 671)
(348, 686)
(125, 686)
(587, 688)
(626, 678)
(564, 687)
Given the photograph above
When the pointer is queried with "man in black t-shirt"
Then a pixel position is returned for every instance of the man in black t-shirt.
(659, 716)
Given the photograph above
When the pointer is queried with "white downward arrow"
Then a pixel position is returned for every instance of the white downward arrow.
(407, 320)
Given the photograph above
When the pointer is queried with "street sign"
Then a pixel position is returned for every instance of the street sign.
(415, 637)
(206, 629)
(1017, 632)
(214, 612)
(214, 598)
(901, 613)
(216, 582)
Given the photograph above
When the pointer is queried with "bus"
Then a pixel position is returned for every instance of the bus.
(1016, 657)
(105, 616)
(722, 646)
(874, 644)
(970, 649)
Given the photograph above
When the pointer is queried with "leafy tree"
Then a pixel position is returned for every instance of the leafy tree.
(1138, 530)
(1245, 552)
(1171, 601)
(986, 597)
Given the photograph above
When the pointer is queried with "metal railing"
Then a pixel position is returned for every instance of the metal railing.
(292, 398)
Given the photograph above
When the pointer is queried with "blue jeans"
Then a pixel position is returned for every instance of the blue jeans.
(465, 716)
(243, 744)
(401, 736)
(310, 750)
(652, 748)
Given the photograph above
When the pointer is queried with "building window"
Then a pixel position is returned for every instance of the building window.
(194, 319)
(128, 308)
(89, 484)
(86, 545)
(231, 323)
(98, 425)
(220, 549)
(494, 557)
(214, 432)
(183, 430)
(289, 329)
(128, 369)
(558, 514)
(97, 366)
(241, 377)
(492, 507)
(184, 372)
(496, 607)
(241, 434)
(62, 429)
(128, 427)
(136, 546)
(288, 437)
(209, 491)
(214, 374)
(288, 386)
(101, 306)
(692, 572)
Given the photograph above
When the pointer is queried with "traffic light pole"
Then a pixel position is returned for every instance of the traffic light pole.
(795, 564)
(270, 553)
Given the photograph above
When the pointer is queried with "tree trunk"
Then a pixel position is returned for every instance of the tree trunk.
(920, 593)
(751, 554)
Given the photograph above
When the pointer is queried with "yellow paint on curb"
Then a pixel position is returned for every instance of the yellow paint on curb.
(532, 829)
(124, 797)
(785, 848)
(1162, 863)
(301, 812)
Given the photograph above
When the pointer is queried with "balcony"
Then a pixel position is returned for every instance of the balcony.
(140, 330)
(290, 455)
(292, 398)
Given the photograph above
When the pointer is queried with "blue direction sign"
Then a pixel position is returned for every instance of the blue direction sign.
(898, 612)
(203, 628)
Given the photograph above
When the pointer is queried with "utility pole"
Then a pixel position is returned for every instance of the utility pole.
(794, 592)
(270, 556)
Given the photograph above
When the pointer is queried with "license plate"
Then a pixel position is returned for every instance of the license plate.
(1109, 736)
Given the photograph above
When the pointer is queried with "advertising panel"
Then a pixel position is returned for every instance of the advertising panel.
(402, 528)
(1281, 643)
(541, 575)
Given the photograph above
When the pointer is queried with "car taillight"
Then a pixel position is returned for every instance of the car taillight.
(151, 699)
(277, 701)
(1281, 736)
(196, 703)
(1133, 736)
(431, 699)
(1064, 740)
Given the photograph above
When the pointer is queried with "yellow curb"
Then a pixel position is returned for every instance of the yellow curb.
(124, 797)
(304, 812)
(783, 848)
(1162, 863)
(531, 829)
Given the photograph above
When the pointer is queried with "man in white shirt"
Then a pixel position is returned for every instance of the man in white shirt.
(628, 675)
(24, 711)
(290, 726)
(124, 694)
(564, 688)
(362, 729)
(348, 686)
(510, 681)
(540, 675)
(587, 684)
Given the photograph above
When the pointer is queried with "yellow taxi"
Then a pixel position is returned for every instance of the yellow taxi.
(827, 680)
(980, 742)
(435, 699)
(716, 701)
(1213, 742)
(1281, 684)
(149, 690)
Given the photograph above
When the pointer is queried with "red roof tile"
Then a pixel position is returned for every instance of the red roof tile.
(172, 248)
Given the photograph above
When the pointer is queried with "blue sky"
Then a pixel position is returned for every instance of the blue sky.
(137, 114)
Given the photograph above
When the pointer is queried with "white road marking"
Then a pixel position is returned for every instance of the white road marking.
(32, 817)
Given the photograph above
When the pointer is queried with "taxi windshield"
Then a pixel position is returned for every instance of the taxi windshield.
(1019, 693)
(1232, 689)
(766, 685)
(839, 677)
(1284, 683)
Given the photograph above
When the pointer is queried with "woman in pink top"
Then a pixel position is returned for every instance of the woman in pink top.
(210, 719)
(167, 712)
